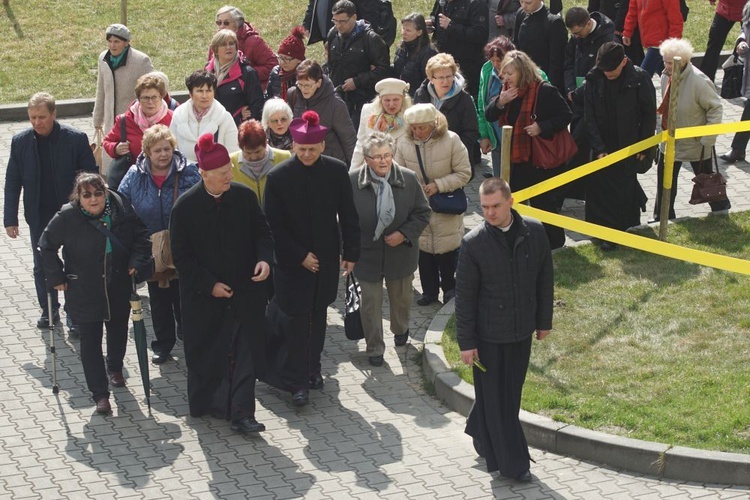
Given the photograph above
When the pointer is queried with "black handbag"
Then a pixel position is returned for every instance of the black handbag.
(709, 187)
(119, 166)
(452, 203)
(352, 319)
(731, 84)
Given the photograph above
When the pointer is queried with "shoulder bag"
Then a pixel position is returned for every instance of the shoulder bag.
(731, 83)
(452, 203)
(551, 153)
(164, 268)
(119, 167)
(711, 186)
(352, 302)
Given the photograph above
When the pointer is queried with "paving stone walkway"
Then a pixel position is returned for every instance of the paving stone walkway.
(371, 433)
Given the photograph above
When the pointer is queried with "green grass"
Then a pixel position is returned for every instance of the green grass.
(53, 46)
(648, 347)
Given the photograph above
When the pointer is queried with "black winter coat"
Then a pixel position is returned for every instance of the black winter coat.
(310, 209)
(274, 83)
(70, 154)
(465, 37)
(410, 67)
(353, 56)
(219, 241)
(543, 36)
(503, 294)
(240, 88)
(580, 54)
(94, 282)
(552, 110)
(461, 113)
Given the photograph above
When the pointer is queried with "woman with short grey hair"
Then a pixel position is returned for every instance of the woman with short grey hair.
(249, 42)
(393, 212)
(276, 118)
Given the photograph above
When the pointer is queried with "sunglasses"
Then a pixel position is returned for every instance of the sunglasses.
(88, 194)
(223, 23)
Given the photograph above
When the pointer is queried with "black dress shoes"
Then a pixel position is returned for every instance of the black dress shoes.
(245, 425)
(116, 379)
(734, 155)
(524, 477)
(316, 381)
(159, 358)
(425, 300)
(301, 397)
(400, 340)
(43, 321)
(376, 360)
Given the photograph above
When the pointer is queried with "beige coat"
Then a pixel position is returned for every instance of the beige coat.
(114, 93)
(446, 162)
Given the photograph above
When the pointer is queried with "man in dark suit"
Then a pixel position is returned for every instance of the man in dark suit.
(43, 163)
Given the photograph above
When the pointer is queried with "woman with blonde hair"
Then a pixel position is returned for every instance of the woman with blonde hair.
(533, 108)
(384, 114)
(445, 89)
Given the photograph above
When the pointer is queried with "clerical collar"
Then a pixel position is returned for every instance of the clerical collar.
(214, 196)
(507, 228)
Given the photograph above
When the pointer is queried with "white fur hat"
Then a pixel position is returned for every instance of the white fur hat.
(420, 113)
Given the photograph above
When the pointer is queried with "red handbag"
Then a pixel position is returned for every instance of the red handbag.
(711, 186)
(553, 152)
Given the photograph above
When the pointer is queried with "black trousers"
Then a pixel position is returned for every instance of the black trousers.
(698, 168)
(741, 138)
(437, 271)
(717, 35)
(40, 283)
(523, 175)
(91, 348)
(233, 394)
(494, 420)
(296, 355)
(165, 311)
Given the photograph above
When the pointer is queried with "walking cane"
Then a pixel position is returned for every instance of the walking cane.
(55, 387)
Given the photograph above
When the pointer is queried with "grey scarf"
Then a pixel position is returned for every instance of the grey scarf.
(221, 71)
(385, 206)
(257, 169)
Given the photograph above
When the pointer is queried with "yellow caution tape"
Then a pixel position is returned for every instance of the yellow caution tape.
(588, 168)
(638, 242)
(716, 129)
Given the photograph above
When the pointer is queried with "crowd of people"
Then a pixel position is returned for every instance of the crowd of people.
(279, 174)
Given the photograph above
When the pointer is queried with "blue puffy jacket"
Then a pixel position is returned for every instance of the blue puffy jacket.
(154, 205)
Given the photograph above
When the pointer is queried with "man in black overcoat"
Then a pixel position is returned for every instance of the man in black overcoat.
(311, 212)
(504, 292)
(222, 247)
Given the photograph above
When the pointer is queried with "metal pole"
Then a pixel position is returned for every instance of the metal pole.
(666, 194)
(505, 153)
(124, 12)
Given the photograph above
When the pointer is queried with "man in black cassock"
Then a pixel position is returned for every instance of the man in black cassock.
(619, 110)
(504, 292)
(310, 209)
(221, 246)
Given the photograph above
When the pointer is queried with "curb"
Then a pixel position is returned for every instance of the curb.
(632, 455)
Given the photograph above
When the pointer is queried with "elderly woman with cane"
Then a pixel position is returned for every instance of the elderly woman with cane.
(98, 230)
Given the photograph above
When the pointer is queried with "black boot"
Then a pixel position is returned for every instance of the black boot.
(734, 155)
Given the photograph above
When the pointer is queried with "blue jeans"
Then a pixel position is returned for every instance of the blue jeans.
(653, 62)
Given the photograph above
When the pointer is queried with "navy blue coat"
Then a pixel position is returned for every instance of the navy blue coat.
(154, 205)
(71, 154)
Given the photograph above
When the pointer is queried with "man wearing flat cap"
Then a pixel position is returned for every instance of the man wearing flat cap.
(222, 249)
(619, 110)
(120, 67)
(310, 209)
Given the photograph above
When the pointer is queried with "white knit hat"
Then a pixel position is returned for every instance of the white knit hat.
(420, 113)
(391, 86)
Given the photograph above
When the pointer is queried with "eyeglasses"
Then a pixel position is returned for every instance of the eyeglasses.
(88, 194)
(223, 23)
(285, 59)
(305, 86)
(380, 158)
(340, 21)
(279, 120)
(443, 78)
(149, 98)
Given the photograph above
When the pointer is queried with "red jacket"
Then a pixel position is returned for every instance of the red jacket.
(257, 52)
(730, 9)
(133, 133)
(657, 20)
